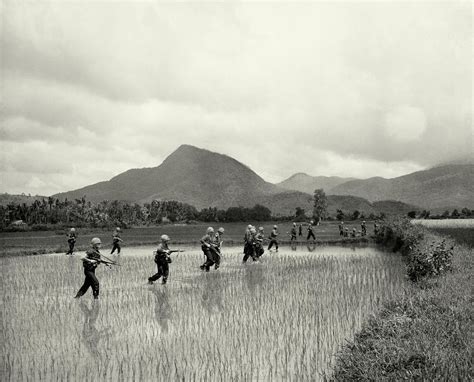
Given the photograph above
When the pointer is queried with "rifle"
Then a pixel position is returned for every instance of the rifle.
(169, 252)
(107, 261)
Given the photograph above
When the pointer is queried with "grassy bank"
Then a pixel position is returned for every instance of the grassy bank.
(426, 335)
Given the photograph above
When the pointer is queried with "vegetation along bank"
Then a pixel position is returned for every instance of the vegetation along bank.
(426, 334)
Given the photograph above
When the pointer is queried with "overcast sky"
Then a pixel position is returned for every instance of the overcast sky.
(91, 89)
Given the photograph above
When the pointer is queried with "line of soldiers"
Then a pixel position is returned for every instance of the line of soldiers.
(211, 244)
(344, 231)
(116, 241)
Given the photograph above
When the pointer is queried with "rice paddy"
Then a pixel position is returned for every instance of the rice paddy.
(281, 319)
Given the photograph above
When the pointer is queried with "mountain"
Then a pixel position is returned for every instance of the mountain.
(196, 176)
(307, 183)
(206, 179)
(437, 187)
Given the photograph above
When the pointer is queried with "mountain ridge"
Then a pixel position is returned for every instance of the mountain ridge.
(208, 179)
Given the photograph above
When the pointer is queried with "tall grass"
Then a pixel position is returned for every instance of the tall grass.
(445, 223)
(282, 319)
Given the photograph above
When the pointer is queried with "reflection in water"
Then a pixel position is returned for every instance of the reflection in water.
(254, 277)
(212, 292)
(163, 311)
(311, 247)
(90, 335)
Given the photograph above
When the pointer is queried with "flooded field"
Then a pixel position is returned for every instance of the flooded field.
(283, 318)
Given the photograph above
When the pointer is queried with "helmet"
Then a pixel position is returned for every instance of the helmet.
(260, 229)
(72, 230)
(294, 224)
(253, 230)
(95, 241)
(165, 238)
(363, 221)
(117, 229)
(249, 226)
(220, 230)
(210, 230)
(275, 227)
(311, 222)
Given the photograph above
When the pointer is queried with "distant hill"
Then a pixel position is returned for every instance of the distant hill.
(6, 199)
(307, 183)
(195, 176)
(206, 179)
(447, 185)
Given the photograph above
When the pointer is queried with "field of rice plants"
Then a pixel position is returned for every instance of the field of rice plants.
(445, 223)
(461, 230)
(281, 319)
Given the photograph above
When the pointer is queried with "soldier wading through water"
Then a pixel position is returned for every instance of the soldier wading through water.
(249, 244)
(162, 260)
(273, 238)
(90, 263)
(71, 241)
(216, 247)
(207, 246)
(116, 240)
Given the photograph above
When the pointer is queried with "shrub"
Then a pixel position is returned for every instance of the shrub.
(426, 254)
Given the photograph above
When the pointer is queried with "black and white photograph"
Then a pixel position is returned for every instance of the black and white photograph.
(236, 190)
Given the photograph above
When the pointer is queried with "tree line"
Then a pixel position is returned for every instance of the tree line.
(82, 213)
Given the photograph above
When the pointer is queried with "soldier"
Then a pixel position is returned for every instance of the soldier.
(363, 229)
(116, 241)
(346, 232)
(249, 249)
(246, 235)
(206, 246)
(341, 228)
(71, 241)
(259, 237)
(376, 228)
(273, 238)
(90, 263)
(310, 231)
(300, 230)
(293, 232)
(216, 247)
(162, 260)
(354, 232)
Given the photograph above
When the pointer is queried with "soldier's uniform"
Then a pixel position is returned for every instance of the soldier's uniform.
(310, 232)
(300, 230)
(249, 247)
(273, 239)
(90, 263)
(71, 241)
(116, 243)
(363, 229)
(354, 232)
(162, 260)
(376, 229)
(341, 229)
(346, 232)
(208, 252)
(259, 250)
(216, 249)
(293, 233)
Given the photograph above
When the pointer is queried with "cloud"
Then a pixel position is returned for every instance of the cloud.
(405, 123)
(345, 89)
